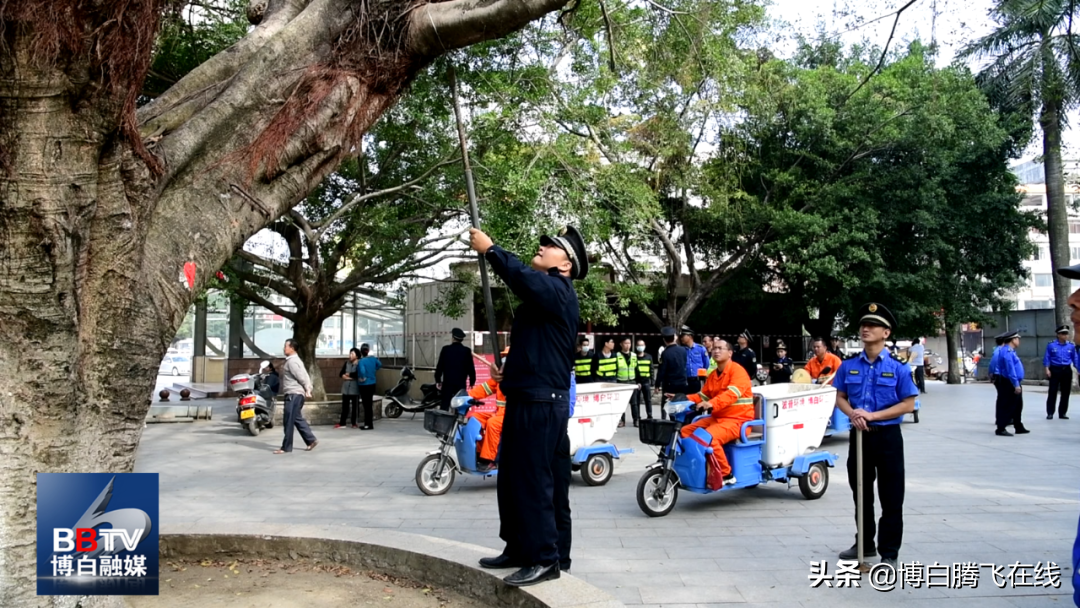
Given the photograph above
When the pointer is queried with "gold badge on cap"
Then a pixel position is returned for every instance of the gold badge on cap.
(873, 308)
(562, 232)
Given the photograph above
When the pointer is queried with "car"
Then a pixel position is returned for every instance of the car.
(175, 365)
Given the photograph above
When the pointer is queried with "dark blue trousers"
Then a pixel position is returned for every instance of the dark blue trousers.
(529, 468)
(293, 419)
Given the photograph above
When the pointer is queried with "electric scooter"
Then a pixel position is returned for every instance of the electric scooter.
(397, 399)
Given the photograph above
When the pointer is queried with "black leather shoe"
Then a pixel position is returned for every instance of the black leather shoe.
(532, 575)
(1003, 433)
(853, 552)
(501, 561)
(1020, 431)
(1063, 417)
(1050, 417)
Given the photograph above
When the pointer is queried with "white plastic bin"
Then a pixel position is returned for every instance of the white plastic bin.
(596, 413)
(795, 419)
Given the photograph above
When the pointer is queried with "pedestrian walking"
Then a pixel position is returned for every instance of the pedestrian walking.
(536, 383)
(350, 390)
(1007, 381)
(295, 385)
(697, 360)
(671, 373)
(876, 391)
(454, 369)
(1058, 361)
(366, 370)
(917, 361)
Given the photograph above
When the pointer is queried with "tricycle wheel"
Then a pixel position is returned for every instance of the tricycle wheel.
(597, 469)
(392, 410)
(434, 476)
(814, 483)
(653, 500)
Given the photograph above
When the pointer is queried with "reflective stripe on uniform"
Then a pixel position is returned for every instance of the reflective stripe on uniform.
(703, 396)
(735, 390)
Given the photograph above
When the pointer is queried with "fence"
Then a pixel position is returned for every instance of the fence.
(1036, 329)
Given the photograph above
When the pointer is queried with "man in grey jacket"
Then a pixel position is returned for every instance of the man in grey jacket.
(295, 385)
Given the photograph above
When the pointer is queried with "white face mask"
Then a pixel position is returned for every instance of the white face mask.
(641, 349)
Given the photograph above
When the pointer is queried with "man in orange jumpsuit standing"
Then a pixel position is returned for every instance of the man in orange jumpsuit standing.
(491, 421)
(727, 391)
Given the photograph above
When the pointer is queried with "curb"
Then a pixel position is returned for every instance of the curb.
(435, 561)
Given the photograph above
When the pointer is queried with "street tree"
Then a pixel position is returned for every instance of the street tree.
(104, 205)
(1034, 71)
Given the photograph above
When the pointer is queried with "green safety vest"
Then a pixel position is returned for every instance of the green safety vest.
(605, 368)
(626, 371)
(583, 366)
(644, 369)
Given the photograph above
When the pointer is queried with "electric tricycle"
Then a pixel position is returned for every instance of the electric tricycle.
(779, 444)
(597, 408)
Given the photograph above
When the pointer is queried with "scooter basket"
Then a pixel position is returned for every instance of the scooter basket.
(440, 423)
(656, 432)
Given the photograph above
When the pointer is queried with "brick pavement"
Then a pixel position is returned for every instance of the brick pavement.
(971, 497)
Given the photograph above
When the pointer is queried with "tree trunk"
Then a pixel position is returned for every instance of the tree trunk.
(1057, 216)
(95, 234)
(307, 337)
(952, 344)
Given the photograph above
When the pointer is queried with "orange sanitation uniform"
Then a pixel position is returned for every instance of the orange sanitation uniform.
(814, 367)
(491, 421)
(728, 392)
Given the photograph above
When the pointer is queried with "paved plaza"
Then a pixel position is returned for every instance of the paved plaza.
(971, 497)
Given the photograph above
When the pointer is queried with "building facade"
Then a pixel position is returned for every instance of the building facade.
(1038, 293)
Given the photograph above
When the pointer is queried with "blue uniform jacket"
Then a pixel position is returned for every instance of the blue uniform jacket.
(1010, 366)
(875, 386)
(672, 370)
(1059, 354)
(544, 332)
(995, 362)
(696, 358)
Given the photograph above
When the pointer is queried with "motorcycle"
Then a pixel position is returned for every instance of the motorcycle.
(397, 399)
(255, 405)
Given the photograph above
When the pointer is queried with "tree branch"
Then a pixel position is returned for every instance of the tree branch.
(255, 298)
(445, 26)
(359, 198)
(884, 51)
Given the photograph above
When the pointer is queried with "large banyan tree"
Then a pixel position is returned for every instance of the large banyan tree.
(104, 203)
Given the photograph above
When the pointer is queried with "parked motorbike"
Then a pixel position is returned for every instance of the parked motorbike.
(255, 405)
(397, 399)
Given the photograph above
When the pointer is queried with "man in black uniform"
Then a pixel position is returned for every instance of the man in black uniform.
(454, 367)
(671, 375)
(536, 383)
(745, 356)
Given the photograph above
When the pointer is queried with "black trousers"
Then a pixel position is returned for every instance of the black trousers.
(883, 461)
(561, 496)
(528, 469)
(693, 385)
(367, 396)
(920, 378)
(446, 393)
(642, 396)
(350, 407)
(1060, 379)
(293, 420)
(1009, 406)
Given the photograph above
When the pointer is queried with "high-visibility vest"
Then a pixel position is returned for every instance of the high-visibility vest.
(626, 370)
(583, 365)
(605, 368)
(644, 369)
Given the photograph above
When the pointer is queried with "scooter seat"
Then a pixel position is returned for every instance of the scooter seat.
(427, 388)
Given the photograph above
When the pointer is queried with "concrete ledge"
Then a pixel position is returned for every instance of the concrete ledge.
(435, 561)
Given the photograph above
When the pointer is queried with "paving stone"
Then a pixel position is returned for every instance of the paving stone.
(970, 497)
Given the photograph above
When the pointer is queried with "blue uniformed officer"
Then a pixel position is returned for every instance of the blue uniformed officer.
(1007, 381)
(536, 383)
(995, 359)
(1058, 361)
(875, 391)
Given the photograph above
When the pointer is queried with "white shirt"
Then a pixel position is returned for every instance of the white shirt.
(917, 353)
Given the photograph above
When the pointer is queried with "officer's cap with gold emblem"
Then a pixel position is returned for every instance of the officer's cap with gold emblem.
(876, 314)
(570, 241)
